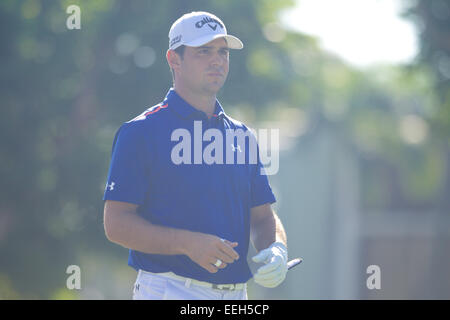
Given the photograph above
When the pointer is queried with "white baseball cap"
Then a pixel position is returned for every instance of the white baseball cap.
(197, 28)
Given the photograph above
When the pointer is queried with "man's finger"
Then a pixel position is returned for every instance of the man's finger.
(267, 276)
(261, 256)
(228, 249)
(224, 257)
(222, 265)
(273, 283)
(270, 266)
(270, 282)
(210, 268)
(231, 244)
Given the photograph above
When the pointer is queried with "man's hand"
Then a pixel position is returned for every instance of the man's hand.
(206, 249)
(274, 271)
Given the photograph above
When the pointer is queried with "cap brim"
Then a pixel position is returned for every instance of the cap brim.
(232, 41)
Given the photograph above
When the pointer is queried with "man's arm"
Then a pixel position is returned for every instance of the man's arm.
(266, 227)
(125, 227)
(269, 238)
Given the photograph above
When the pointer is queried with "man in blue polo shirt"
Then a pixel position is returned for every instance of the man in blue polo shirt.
(186, 192)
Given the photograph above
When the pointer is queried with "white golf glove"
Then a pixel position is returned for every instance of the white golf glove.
(274, 271)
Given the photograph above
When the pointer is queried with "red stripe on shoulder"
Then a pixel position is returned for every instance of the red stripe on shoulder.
(156, 109)
(152, 110)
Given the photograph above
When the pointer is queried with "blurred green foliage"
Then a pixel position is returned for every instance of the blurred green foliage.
(432, 19)
(65, 92)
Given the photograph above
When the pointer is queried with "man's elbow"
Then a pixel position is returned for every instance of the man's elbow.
(108, 233)
(110, 227)
(118, 218)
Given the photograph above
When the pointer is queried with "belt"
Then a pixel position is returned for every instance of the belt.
(189, 281)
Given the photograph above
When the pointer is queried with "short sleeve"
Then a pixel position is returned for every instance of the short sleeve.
(261, 192)
(128, 175)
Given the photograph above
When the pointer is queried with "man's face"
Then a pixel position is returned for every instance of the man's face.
(204, 69)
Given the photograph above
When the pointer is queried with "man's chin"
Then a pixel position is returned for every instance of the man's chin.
(213, 88)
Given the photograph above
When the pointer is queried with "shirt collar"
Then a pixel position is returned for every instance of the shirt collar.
(186, 110)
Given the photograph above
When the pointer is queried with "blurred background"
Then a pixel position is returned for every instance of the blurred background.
(360, 91)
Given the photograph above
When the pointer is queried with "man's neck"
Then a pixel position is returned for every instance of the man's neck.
(203, 103)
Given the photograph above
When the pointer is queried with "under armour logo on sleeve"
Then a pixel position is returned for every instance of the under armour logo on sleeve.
(110, 186)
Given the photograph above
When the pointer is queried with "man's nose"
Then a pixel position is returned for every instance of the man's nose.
(216, 59)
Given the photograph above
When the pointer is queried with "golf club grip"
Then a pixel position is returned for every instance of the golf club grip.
(294, 262)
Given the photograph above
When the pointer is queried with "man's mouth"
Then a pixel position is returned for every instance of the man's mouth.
(215, 73)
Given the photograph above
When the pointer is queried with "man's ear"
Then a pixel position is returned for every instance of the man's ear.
(173, 59)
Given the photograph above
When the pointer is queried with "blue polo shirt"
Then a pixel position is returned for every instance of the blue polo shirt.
(191, 193)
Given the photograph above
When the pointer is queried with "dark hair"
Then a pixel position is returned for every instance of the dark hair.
(180, 52)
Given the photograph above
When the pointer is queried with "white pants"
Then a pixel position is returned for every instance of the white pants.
(154, 286)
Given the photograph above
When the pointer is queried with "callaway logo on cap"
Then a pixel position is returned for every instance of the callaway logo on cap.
(197, 28)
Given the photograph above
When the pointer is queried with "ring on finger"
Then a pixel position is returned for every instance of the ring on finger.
(218, 263)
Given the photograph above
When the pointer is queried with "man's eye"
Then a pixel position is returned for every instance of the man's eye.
(204, 51)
